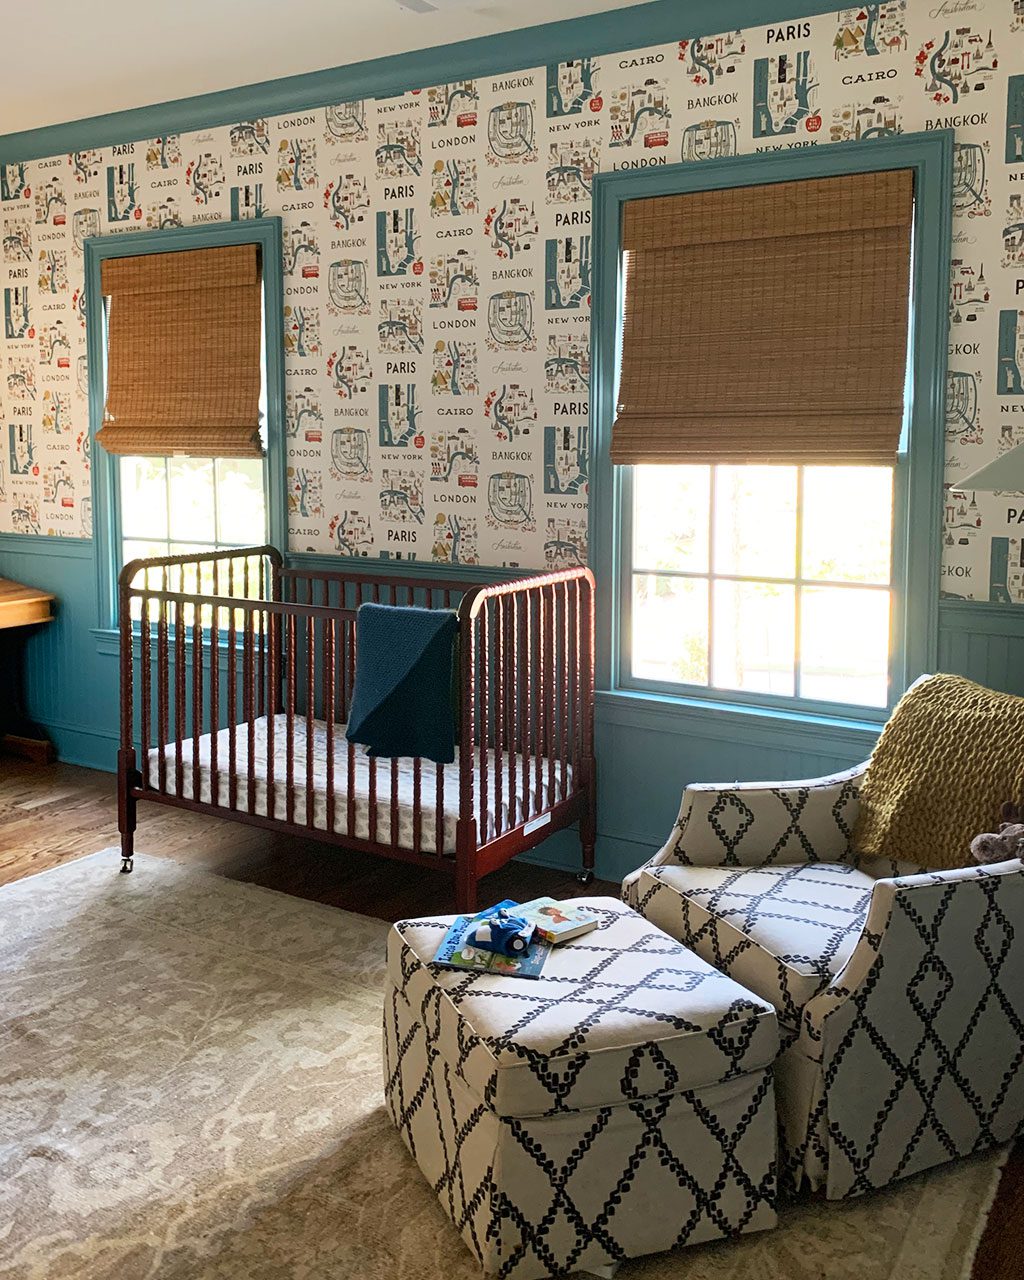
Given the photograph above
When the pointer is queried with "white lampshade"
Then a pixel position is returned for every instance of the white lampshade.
(1006, 473)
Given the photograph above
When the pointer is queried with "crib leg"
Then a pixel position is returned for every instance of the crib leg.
(588, 833)
(465, 867)
(126, 806)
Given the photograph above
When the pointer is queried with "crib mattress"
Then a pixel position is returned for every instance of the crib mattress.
(499, 818)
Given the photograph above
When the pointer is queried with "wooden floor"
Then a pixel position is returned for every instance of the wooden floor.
(51, 814)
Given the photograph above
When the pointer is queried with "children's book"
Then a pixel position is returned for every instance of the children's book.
(452, 954)
(557, 921)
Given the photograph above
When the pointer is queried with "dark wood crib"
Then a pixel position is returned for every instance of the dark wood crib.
(236, 681)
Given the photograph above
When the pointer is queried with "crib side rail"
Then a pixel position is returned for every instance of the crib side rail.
(349, 588)
(239, 573)
(527, 712)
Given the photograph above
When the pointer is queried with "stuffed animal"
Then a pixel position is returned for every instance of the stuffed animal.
(1008, 842)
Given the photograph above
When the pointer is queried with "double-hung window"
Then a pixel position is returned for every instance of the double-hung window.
(762, 417)
(185, 374)
(762, 580)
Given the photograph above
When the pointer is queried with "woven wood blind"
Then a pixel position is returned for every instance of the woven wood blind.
(766, 324)
(183, 356)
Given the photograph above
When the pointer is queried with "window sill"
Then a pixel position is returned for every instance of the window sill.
(729, 721)
(108, 641)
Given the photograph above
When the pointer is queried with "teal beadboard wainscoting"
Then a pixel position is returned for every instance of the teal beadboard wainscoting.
(647, 750)
(69, 686)
(983, 641)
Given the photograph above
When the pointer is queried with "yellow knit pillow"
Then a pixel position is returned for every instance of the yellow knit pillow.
(950, 755)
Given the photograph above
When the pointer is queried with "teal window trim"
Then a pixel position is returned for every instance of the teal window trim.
(265, 232)
(919, 471)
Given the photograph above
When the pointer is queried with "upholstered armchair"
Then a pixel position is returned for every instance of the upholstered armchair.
(900, 991)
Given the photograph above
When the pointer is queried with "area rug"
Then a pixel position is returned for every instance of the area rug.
(190, 1086)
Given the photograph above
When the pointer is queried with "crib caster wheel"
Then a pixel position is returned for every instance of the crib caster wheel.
(126, 865)
(584, 877)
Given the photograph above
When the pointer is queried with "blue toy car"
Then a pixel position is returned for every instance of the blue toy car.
(500, 931)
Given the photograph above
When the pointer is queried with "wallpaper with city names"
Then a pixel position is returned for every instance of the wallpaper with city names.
(437, 274)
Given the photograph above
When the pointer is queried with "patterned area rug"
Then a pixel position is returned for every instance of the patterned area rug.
(190, 1086)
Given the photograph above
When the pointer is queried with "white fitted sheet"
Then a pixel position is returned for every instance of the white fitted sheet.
(403, 839)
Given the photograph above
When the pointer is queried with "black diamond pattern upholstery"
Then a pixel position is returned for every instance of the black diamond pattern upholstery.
(908, 1051)
(549, 1115)
(919, 1043)
(756, 824)
(783, 932)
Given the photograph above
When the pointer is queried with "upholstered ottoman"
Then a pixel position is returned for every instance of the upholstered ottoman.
(619, 1105)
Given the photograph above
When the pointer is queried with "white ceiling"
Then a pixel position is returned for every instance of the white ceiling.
(69, 59)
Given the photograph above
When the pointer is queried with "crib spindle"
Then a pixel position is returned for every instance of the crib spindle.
(163, 674)
(372, 766)
(417, 805)
(551, 705)
(274, 678)
(393, 832)
(350, 776)
(349, 672)
(511, 649)
(197, 701)
(232, 659)
(329, 659)
(145, 679)
(267, 697)
(525, 700)
(483, 786)
(289, 767)
(538, 705)
(310, 709)
(179, 694)
(577, 650)
(214, 705)
(563, 709)
(499, 711)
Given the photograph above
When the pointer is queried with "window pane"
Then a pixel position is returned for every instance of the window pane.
(844, 645)
(755, 521)
(847, 523)
(133, 549)
(754, 633)
(143, 498)
(240, 502)
(670, 521)
(191, 486)
(670, 629)
(194, 577)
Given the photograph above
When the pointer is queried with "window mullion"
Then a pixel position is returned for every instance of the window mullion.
(712, 498)
(798, 590)
(216, 515)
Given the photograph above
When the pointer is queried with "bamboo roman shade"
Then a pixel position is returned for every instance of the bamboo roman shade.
(183, 353)
(766, 324)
